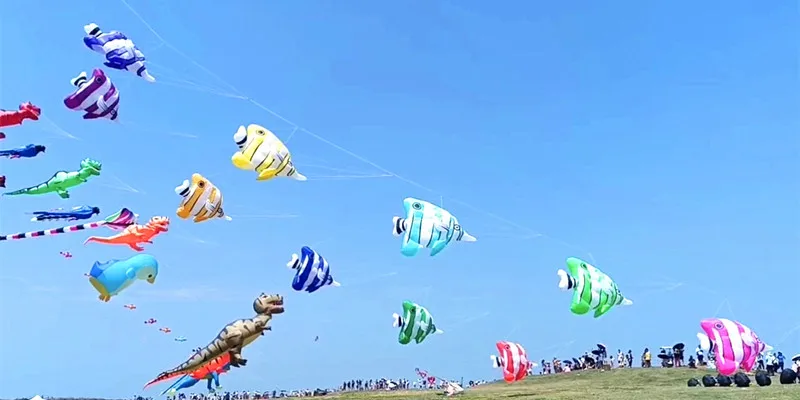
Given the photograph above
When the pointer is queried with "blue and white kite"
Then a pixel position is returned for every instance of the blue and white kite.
(312, 271)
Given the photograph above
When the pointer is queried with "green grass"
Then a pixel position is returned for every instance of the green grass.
(624, 384)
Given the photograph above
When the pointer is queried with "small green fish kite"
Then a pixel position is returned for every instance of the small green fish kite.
(592, 288)
(416, 323)
(63, 180)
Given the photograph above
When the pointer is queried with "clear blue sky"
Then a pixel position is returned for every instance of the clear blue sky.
(660, 137)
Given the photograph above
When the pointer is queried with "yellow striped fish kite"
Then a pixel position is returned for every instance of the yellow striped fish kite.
(261, 151)
(200, 199)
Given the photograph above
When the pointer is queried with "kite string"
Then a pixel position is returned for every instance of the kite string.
(332, 144)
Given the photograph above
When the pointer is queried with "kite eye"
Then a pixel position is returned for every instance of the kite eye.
(261, 132)
(201, 184)
(718, 325)
(457, 227)
(150, 275)
(416, 206)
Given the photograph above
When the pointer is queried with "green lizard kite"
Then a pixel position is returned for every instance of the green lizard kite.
(63, 180)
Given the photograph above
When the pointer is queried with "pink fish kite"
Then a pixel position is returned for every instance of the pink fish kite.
(734, 344)
(96, 96)
(513, 359)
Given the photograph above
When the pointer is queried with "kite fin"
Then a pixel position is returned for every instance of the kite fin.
(398, 321)
(496, 362)
(705, 343)
(400, 226)
(565, 282)
(627, 302)
(294, 262)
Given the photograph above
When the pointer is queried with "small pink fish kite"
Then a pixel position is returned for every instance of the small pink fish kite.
(513, 359)
(65, 254)
(734, 344)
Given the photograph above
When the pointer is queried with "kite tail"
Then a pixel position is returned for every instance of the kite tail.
(52, 232)
(96, 239)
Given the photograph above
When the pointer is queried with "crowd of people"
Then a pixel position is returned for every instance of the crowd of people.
(670, 356)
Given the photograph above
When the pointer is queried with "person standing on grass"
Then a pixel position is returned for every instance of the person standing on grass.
(646, 358)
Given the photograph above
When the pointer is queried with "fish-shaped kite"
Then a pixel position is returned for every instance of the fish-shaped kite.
(130, 306)
(150, 321)
(734, 344)
(200, 199)
(261, 151)
(416, 323)
(65, 254)
(180, 339)
(592, 289)
(513, 359)
(165, 330)
(427, 226)
(312, 271)
(96, 96)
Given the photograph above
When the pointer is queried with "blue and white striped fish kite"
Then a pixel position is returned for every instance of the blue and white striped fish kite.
(312, 271)
(427, 226)
(119, 51)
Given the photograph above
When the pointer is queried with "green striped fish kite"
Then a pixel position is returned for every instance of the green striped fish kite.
(592, 289)
(416, 323)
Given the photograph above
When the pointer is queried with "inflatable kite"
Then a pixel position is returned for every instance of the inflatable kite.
(150, 321)
(122, 219)
(734, 344)
(200, 199)
(97, 97)
(231, 339)
(119, 51)
(12, 118)
(261, 151)
(130, 306)
(416, 323)
(165, 330)
(209, 372)
(592, 289)
(135, 235)
(73, 214)
(112, 277)
(513, 359)
(65, 254)
(63, 180)
(427, 226)
(31, 150)
(180, 339)
(312, 271)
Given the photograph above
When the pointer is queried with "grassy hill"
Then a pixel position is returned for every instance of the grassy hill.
(626, 384)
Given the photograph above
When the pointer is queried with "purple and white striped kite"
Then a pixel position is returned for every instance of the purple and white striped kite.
(97, 96)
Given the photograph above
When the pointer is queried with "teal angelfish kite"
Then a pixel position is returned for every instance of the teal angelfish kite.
(416, 323)
(592, 289)
(427, 226)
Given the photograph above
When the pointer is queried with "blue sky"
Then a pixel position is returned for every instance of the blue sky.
(658, 139)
